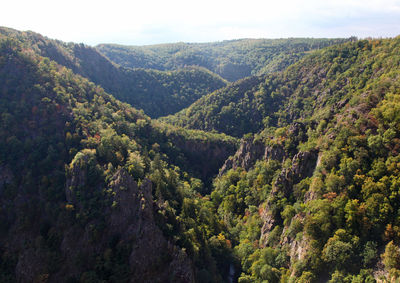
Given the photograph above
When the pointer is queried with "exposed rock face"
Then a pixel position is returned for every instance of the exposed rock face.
(129, 224)
(275, 152)
(296, 129)
(284, 183)
(133, 205)
(31, 267)
(204, 157)
(298, 248)
(303, 166)
(249, 152)
(132, 219)
(246, 156)
(269, 223)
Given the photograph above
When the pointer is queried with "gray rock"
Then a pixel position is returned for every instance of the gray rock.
(249, 152)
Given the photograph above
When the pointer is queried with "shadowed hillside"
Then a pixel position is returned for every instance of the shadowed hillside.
(157, 93)
(93, 190)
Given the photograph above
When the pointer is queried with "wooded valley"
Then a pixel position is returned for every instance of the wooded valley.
(268, 160)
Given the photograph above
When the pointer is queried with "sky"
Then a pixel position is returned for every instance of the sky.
(162, 21)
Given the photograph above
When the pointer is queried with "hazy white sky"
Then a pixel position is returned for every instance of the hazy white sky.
(140, 22)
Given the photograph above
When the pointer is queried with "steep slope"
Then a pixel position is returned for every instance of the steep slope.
(314, 197)
(90, 188)
(314, 84)
(237, 109)
(93, 190)
(157, 93)
(231, 59)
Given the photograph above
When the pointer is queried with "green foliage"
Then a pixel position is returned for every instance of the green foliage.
(157, 93)
(311, 87)
(322, 203)
(63, 141)
(339, 250)
(340, 102)
(391, 256)
(231, 59)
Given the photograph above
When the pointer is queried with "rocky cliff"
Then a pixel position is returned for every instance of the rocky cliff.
(124, 235)
(303, 165)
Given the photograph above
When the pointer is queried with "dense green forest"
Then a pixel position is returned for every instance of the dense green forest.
(90, 187)
(313, 85)
(93, 190)
(157, 93)
(315, 194)
(231, 59)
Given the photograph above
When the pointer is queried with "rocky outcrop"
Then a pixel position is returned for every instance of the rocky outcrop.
(204, 157)
(132, 219)
(269, 223)
(152, 258)
(303, 166)
(284, 183)
(297, 129)
(31, 267)
(297, 247)
(249, 152)
(127, 225)
(275, 152)
(77, 172)
(131, 205)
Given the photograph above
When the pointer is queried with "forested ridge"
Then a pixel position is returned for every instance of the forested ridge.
(289, 176)
(314, 195)
(231, 59)
(313, 85)
(157, 93)
(92, 189)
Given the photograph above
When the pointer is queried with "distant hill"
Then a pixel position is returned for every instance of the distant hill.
(312, 85)
(157, 93)
(231, 59)
(94, 190)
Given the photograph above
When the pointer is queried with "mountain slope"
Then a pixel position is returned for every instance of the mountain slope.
(236, 109)
(314, 84)
(157, 93)
(90, 188)
(231, 59)
(93, 190)
(314, 196)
